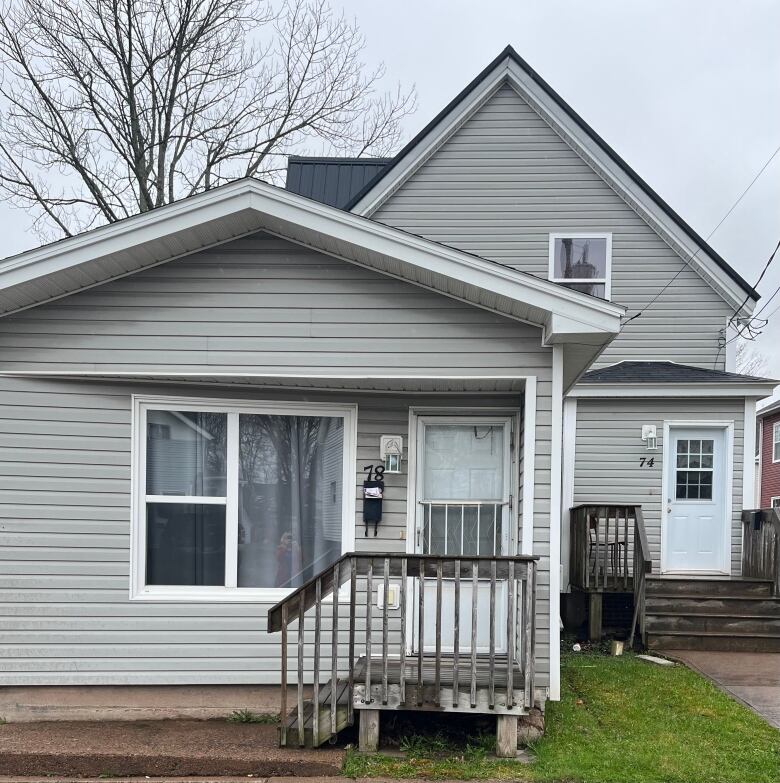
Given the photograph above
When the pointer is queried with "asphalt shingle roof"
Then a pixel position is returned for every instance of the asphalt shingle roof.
(665, 372)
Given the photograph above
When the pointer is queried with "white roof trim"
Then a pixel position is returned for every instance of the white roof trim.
(510, 72)
(671, 390)
(342, 234)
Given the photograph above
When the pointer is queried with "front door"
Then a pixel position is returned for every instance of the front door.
(463, 508)
(696, 521)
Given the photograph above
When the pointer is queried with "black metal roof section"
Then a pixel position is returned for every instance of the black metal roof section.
(512, 54)
(332, 181)
(664, 372)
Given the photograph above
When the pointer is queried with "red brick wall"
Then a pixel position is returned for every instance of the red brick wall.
(770, 472)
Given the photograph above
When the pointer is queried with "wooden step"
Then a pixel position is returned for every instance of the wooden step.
(736, 587)
(712, 623)
(325, 732)
(713, 641)
(743, 606)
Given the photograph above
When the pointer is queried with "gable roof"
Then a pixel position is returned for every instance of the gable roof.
(333, 181)
(510, 68)
(582, 323)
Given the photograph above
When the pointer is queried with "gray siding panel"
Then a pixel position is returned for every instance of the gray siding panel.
(505, 180)
(264, 305)
(608, 450)
(257, 305)
(65, 613)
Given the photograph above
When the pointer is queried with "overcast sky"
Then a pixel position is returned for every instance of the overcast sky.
(687, 91)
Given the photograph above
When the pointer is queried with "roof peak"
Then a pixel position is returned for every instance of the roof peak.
(654, 200)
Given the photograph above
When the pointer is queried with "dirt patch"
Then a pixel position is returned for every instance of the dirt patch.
(156, 748)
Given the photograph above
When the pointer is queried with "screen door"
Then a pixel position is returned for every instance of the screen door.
(463, 499)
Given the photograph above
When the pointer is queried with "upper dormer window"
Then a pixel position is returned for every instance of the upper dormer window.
(582, 262)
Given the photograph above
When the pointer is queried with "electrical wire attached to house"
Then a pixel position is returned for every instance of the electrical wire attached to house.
(687, 261)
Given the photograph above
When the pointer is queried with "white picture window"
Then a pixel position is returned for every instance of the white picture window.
(240, 500)
(582, 262)
(776, 442)
(775, 502)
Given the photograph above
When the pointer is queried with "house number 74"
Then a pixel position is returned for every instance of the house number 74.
(644, 462)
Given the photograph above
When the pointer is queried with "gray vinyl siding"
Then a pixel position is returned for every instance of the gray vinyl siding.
(505, 180)
(608, 449)
(254, 306)
(264, 305)
(65, 613)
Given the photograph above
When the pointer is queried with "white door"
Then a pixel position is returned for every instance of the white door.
(697, 521)
(463, 499)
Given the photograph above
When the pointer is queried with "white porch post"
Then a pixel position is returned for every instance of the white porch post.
(555, 521)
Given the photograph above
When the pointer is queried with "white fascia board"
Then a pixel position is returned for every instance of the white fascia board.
(388, 242)
(125, 234)
(623, 184)
(310, 223)
(561, 329)
(671, 390)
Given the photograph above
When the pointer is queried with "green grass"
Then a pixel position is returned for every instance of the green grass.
(247, 716)
(620, 720)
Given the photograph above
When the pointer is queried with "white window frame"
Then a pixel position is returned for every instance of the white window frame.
(230, 592)
(774, 502)
(607, 235)
(776, 442)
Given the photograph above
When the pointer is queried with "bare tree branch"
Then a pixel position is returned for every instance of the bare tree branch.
(113, 107)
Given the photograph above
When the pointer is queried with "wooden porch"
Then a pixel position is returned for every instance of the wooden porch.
(361, 653)
(609, 554)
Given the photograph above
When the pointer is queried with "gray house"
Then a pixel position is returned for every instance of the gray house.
(404, 405)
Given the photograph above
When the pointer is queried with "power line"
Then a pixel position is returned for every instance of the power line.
(760, 278)
(686, 262)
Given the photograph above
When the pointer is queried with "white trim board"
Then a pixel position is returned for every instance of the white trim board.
(567, 492)
(556, 445)
(509, 71)
(672, 390)
(728, 426)
(749, 456)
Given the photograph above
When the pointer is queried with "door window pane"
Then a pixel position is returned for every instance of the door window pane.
(463, 462)
(185, 544)
(695, 469)
(463, 485)
(186, 453)
(290, 498)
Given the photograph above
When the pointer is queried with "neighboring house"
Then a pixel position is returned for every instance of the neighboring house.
(505, 295)
(768, 455)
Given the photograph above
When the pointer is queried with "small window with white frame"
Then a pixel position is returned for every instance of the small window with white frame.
(776, 442)
(775, 502)
(582, 262)
(239, 500)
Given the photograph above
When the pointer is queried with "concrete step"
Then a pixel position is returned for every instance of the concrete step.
(713, 641)
(723, 624)
(743, 606)
(734, 587)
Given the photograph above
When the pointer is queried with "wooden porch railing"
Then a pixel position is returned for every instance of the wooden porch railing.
(602, 549)
(609, 553)
(643, 565)
(373, 656)
(761, 545)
